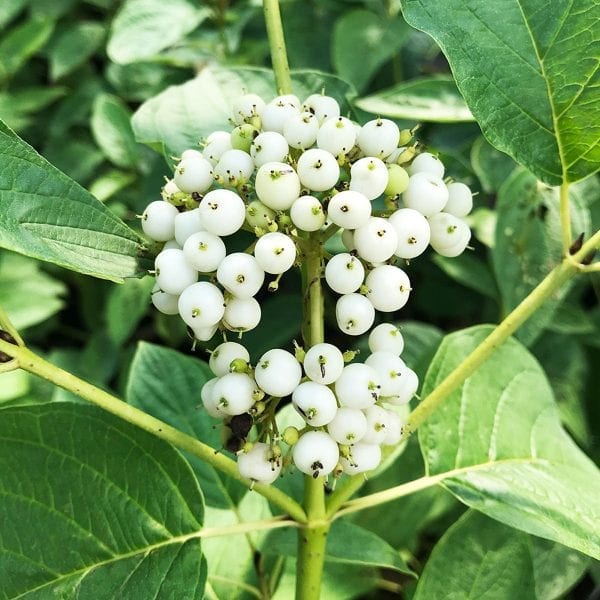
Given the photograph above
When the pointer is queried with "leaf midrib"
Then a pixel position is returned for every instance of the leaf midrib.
(556, 129)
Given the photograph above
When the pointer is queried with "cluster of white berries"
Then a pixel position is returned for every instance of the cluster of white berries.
(289, 172)
(347, 408)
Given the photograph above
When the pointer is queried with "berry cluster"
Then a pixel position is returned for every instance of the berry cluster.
(347, 408)
(287, 170)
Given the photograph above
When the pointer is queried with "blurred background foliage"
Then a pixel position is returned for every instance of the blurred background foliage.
(72, 74)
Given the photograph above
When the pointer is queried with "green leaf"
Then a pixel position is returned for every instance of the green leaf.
(372, 37)
(528, 70)
(416, 512)
(528, 244)
(80, 159)
(29, 296)
(74, 46)
(118, 509)
(75, 109)
(469, 271)
(435, 99)
(9, 9)
(18, 109)
(282, 319)
(571, 319)
(483, 223)
(97, 362)
(498, 445)
(13, 384)
(568, 372)
(307, 27)
(481, 558)
(51, 9)
(110, 183)
(46, 215)
(231, 558)
(142, 28)
(126, 306)
(346, 543)
(167, 385)
(112, 131)
(491, 166)
(142, 80)
(22, 42)
(178, 118)
(421, 340)
(556, 568)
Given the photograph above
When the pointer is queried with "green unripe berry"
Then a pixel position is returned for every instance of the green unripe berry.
(290, 436)
(284, 221)
(407, 156)
(256, 122)
(247, 447)
(397, 180)
(238, 365)
(242, 137)
(406, 135)
(349, 355)
(259, 215)
(258, 408)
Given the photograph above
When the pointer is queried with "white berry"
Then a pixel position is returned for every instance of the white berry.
(426, 193)
(241, 314)
(277, 185)
(413, 232)
(275, 252)
(348, 426)
(204, 251)
(316, 454)
(358, 386)
(224, 354)
(173, 273)
(240, 274)
(278, 372)
(349, 209)
(376, 241)
(259, 464)
(386, 337)
(364, 457)
(307, 213)
(223, 212)
(323, 363)
(354, 314)
(315, 402)
(344, 273)
(369, 176)
(318, 170)
(158, 221)
(201, 304)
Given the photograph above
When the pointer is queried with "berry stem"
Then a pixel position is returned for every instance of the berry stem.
(312, 538)
(567, 269)
(279, 59)
(565, 218)
(29, 361)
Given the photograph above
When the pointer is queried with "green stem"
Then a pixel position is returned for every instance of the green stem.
(565, 218)
(33, 363)
(313, 536)
(279, 59)
(567, 269)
